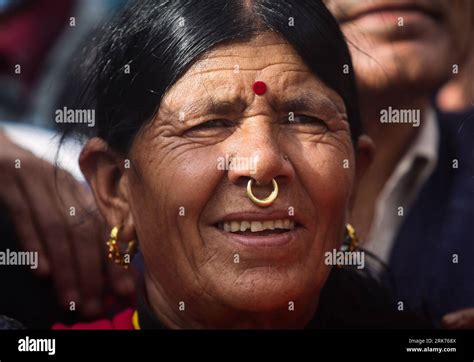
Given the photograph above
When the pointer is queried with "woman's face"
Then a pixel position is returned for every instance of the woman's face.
(189, 207)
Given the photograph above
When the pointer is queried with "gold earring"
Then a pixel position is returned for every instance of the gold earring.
(351, 233)
(115, 253)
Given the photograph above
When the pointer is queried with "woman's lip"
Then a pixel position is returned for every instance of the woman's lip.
(388, 8)
(271, 240)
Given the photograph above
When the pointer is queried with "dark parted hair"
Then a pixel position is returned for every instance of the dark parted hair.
(158, 41)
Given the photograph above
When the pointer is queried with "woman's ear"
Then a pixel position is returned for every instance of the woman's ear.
(106, 174)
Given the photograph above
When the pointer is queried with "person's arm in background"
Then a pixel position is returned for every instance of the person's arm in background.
(460, 319)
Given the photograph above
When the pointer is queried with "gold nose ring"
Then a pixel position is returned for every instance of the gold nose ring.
(267, 201)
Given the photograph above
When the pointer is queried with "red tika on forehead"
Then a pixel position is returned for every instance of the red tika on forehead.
(259, 88)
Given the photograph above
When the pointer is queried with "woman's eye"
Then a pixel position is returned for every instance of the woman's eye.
(215, 123)
(302, 119)
(215, 127)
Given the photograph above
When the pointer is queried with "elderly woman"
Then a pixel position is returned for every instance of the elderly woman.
(227, 145)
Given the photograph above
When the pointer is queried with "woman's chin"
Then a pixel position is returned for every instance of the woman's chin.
(266, 290)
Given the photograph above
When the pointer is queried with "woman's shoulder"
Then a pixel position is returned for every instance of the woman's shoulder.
(122, 320)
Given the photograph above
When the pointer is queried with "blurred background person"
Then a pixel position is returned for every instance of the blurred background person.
(37, 41)
(414, 207)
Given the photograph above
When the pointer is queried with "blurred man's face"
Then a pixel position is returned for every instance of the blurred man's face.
(404, 44)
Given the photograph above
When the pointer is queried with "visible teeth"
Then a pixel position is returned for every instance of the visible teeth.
(268, 225)
(244, 225)
(256, 226)
(234, 226)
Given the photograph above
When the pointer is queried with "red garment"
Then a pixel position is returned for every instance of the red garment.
(122, 320)
(27, 34)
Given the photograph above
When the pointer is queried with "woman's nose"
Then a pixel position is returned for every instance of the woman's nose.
(257, 154)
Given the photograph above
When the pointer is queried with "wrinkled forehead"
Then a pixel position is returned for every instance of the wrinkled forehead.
(226, 75)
